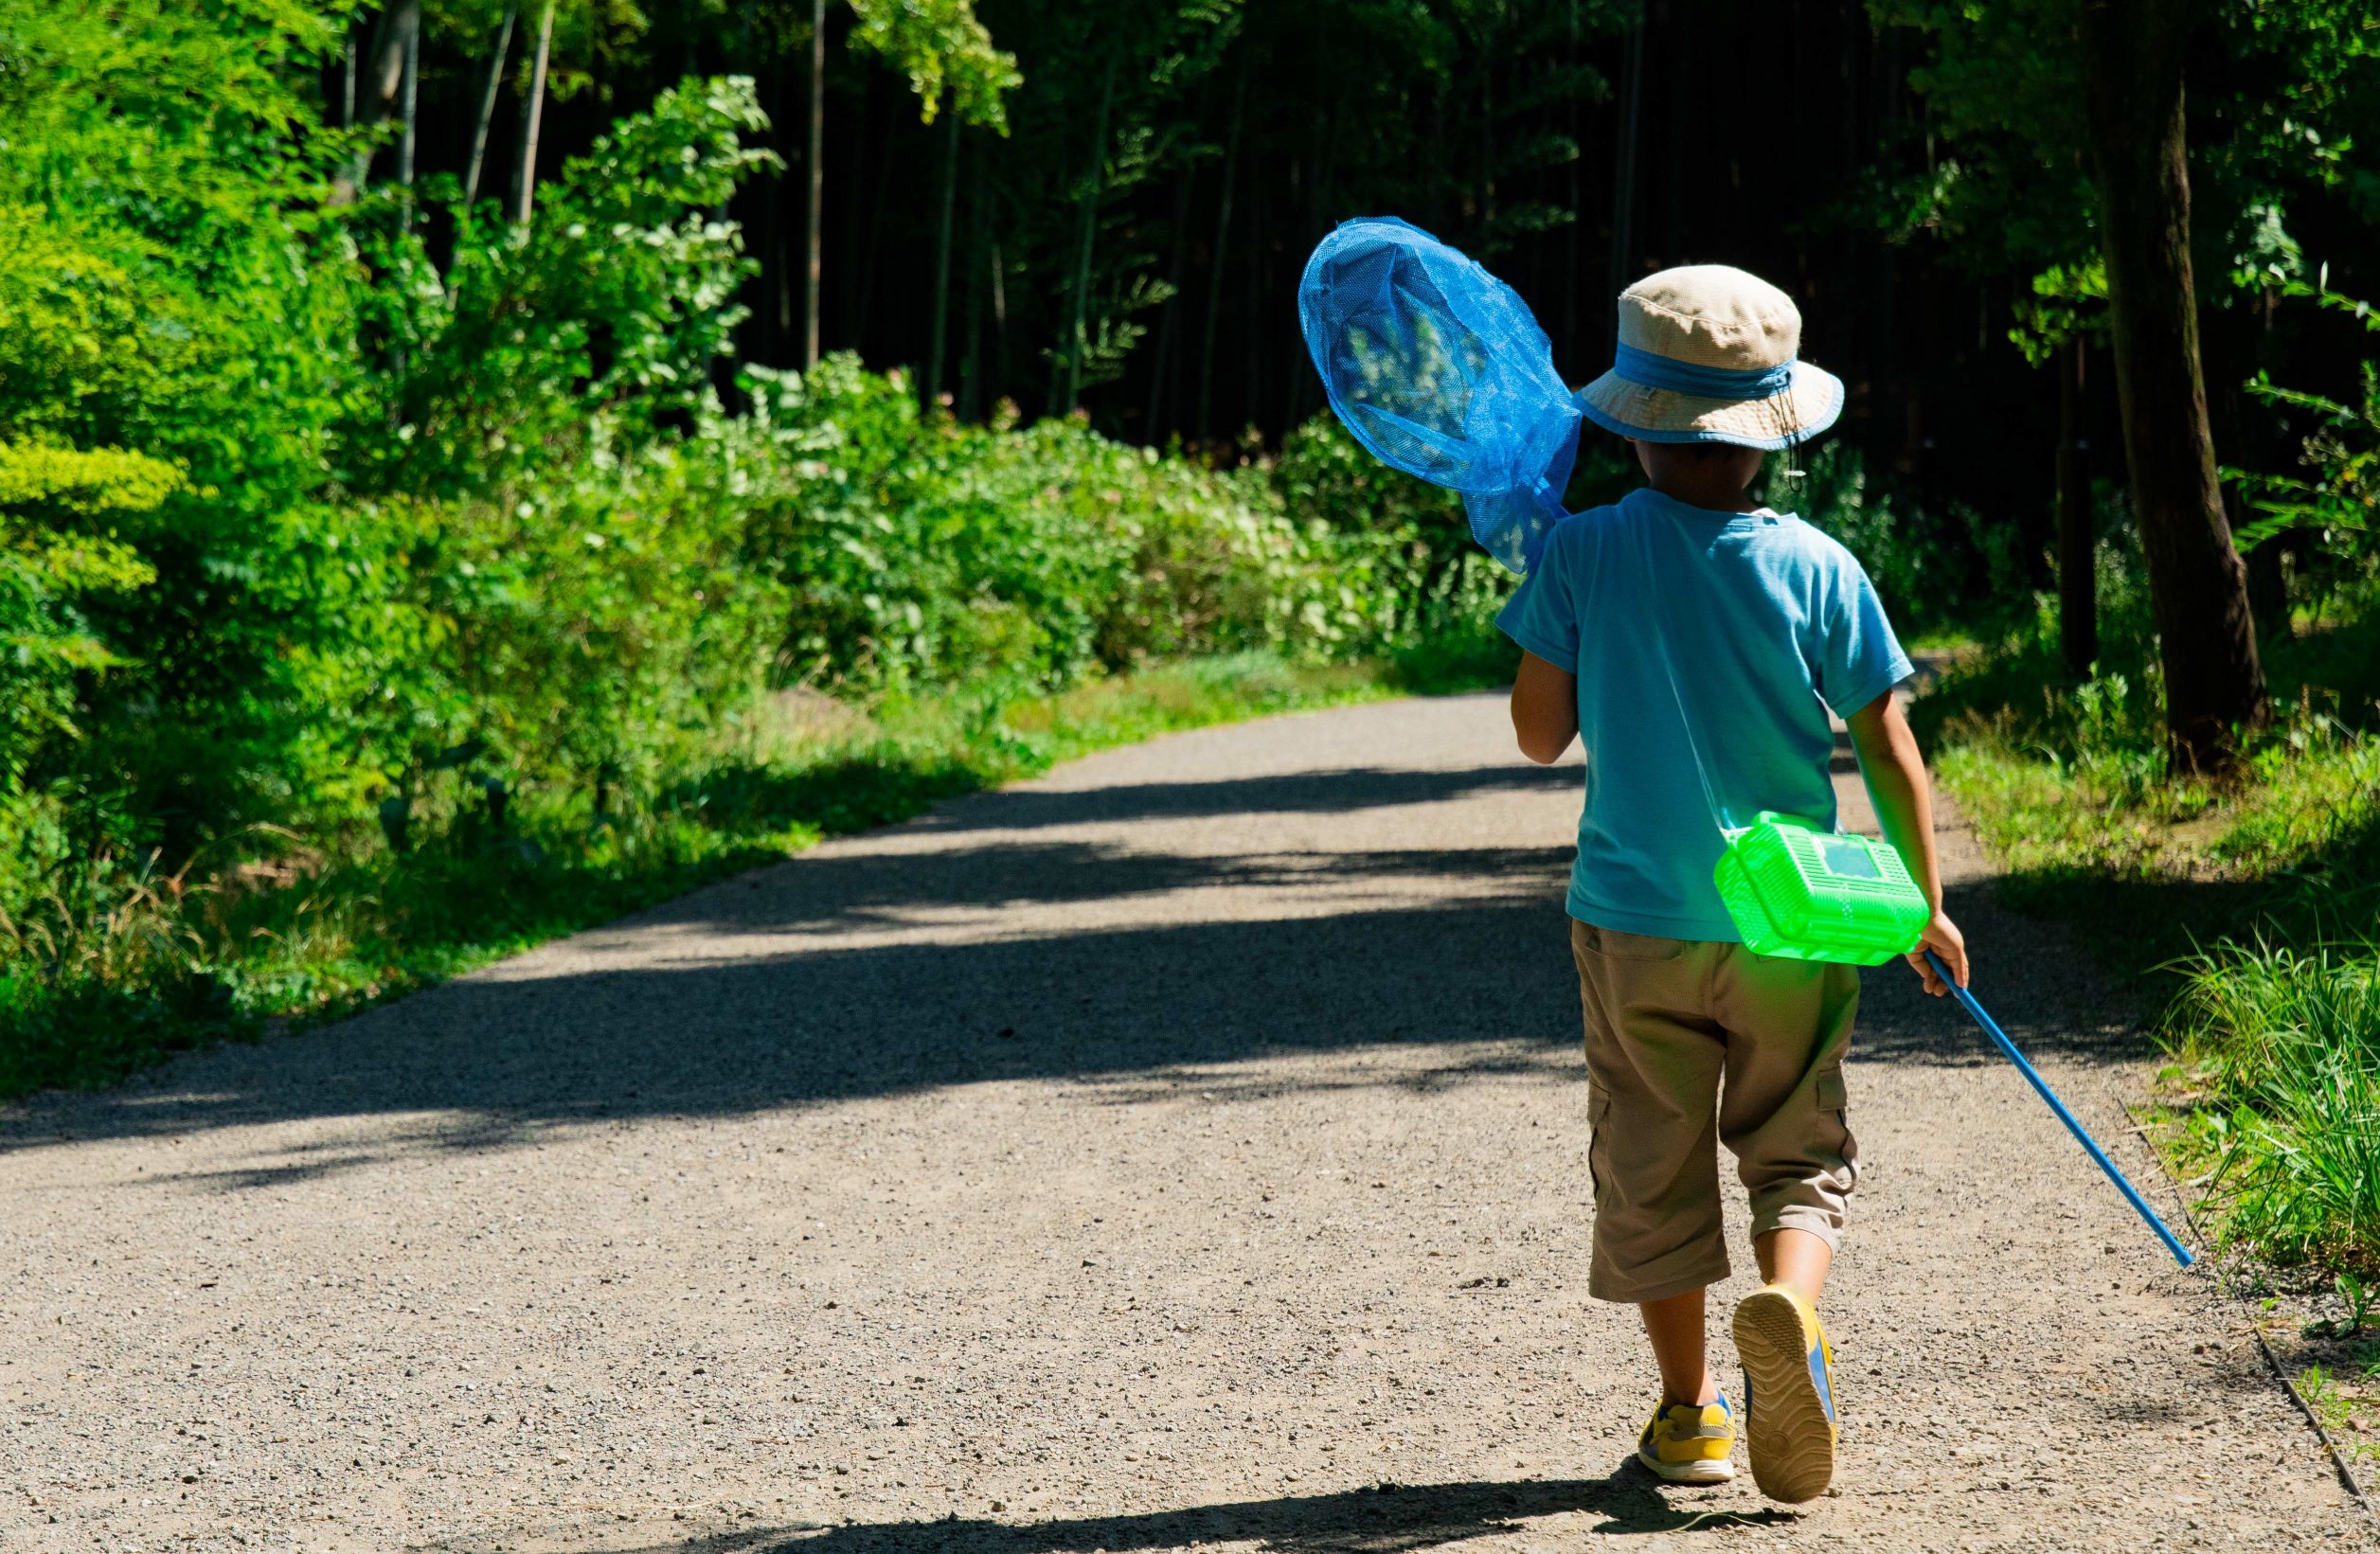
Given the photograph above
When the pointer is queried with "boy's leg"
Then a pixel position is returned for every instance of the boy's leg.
(1675, 1328)
(1654, 1058)
(1782, 1114)
(1795, 1259)
(1652, 1062)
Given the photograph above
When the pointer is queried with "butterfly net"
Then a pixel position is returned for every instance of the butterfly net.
(1440, 370)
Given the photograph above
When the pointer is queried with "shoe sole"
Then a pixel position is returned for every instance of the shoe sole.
(1790, 1439)
(1705, 1472)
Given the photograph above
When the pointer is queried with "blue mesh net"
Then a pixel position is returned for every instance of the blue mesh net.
(1441, 370)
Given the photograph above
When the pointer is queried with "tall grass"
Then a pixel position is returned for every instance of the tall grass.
(2281, 1048)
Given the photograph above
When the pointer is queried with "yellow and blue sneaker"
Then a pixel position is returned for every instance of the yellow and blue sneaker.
(1788, 1393)
(1686, 1443)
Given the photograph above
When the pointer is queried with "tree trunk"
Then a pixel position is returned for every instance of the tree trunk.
(2132, 53)
(1575, 201)
(384, 73)
(385, 58)
(1682, 40)
(532, 114)
(2078, 593)
(487, 106)
(869, 126)
(941, 261)
(1485, 180)
(1162, 363)
(1255, 304)
(779, 258)
(1000, 319)
(347, 78)
(817, 182)
(1303, 384)
(1623, 269)
(859, 300)
(410, 105)
(1082, 306)
(1214, 261)
(970, 359)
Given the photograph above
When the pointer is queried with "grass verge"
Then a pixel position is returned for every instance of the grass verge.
(2245, 911)
(124, 970)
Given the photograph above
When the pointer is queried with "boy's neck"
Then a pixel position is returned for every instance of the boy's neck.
(1709, 495)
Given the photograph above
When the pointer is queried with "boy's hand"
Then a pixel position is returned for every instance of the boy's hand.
(1942, 936)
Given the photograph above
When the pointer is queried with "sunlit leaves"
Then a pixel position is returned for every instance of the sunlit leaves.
(941, 47)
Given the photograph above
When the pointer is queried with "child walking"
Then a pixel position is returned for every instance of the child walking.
(1694, 640)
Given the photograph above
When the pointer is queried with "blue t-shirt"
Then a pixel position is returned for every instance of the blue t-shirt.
(1768, 622)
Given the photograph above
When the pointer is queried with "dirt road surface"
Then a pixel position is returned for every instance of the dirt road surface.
(1184, 1151)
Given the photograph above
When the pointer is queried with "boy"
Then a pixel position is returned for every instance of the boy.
(1695, 640)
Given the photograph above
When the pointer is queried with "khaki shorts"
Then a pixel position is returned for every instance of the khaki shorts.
(1692, 1045)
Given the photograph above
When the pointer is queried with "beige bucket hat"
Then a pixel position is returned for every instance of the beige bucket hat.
(1710, 353)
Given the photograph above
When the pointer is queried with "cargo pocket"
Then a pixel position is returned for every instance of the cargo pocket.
(1834, 1118)
(1599, 1106)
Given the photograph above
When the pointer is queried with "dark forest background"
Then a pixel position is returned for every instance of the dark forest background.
(1574, 145)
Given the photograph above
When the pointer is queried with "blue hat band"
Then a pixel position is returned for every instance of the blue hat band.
(1644, 369)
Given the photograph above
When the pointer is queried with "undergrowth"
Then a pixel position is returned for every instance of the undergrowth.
(2243, 908)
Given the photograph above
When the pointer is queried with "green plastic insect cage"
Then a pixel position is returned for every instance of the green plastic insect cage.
(1803, 893)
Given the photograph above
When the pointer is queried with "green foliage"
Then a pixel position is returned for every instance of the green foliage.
(2068, 302)
(612, 307)
(2006, 174)
(2338, 499)
(2344, 1405)
(939, 45)
(2003, 85)
(170, 285)
(920, 550)
(53, 555)
(2282, 1051)
(1937, 568)
(917, 548)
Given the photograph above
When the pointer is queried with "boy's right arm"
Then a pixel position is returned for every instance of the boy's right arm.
(1903, 796)
(1545, 708)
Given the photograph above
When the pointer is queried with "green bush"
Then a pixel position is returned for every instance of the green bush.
(920, 551)
(379, 581)
(173, 286)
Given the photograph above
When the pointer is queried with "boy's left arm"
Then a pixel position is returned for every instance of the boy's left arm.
(1545, 708)
(1904, 796)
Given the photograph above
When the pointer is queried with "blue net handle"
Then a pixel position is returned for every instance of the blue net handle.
(1441, 370)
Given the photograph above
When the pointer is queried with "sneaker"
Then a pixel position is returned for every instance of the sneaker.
(1788, 1393)
(1689, 1444)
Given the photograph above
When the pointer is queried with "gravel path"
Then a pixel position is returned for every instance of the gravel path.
(1183, 1150)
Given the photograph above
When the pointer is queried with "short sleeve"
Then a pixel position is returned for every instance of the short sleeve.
(1542, 614)
(1860, 659)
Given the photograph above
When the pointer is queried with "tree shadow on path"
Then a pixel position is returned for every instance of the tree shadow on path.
(961, 950)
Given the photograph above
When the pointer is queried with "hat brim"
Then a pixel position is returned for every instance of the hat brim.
(1804, 410)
